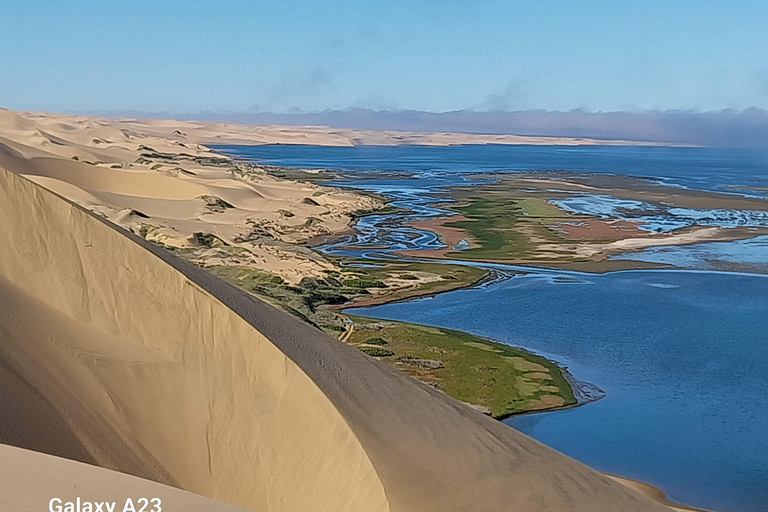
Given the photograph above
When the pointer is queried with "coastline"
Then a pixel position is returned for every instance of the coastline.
(654, 493)
(212, 207)
(284, 368)
(584, 392)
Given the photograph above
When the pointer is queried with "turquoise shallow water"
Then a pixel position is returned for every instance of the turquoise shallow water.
(682, 356)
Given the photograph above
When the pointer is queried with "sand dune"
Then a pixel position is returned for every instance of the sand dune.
(36, 479)
(655, 493)
(116, 353)
(156, 178)
(170, 190)
(208, 132)
(226, 133)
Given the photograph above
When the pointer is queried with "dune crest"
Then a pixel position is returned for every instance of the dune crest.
(155, 377)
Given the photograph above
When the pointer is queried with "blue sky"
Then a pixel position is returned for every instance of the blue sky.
(433, 55)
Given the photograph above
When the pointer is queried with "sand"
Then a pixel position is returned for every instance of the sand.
(694, 236)
(35, 479)
(655, 493)
(686, 236)
(117, 353)
(207, 132)
(117, 173)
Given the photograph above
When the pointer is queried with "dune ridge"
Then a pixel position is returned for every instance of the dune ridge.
(117, 353)
(155, 377)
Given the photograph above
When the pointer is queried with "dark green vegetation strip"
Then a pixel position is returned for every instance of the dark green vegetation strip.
(504, 379)
(303, 301)
(504, 226)
(377, 352)
(387, 210)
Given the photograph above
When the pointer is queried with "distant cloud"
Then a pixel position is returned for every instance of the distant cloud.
(509, 99)
(374, 102)
(295, 87)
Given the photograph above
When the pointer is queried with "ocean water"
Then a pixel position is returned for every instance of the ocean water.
(682, 355)
(700, 168)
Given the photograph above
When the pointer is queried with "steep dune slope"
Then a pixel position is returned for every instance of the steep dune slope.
(143, 363)
(156, 377)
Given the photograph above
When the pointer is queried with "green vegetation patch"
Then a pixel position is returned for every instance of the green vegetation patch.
(506, 227)
(505, 379)
(364, 283)
(302, 301)
(386, 210)
(376, 341)
(208, 240)
(482, 346)
(377, 352)
(306, 300)
(245, 275)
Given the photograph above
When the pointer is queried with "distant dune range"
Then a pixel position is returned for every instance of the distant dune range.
(214, 132)
(117, 353)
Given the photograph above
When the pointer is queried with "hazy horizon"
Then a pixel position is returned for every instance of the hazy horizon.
(671, 72)
(722, 128)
